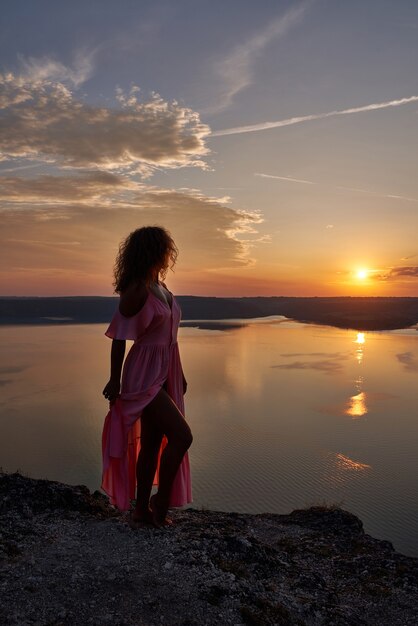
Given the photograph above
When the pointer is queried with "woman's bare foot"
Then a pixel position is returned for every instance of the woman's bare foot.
(139, 519)
(159, 514)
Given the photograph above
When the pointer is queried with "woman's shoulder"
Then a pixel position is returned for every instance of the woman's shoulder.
(132, 299)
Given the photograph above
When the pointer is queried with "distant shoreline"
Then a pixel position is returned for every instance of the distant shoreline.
(384, 313)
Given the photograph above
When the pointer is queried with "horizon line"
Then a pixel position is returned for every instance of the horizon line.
(189, 295)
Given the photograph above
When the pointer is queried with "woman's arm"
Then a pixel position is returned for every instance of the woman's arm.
(112, 389)
(133, 299)
(116, 358)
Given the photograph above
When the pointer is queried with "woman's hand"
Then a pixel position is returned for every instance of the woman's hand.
(112, 390)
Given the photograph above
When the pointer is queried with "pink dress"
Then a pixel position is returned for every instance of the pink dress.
(152, 360)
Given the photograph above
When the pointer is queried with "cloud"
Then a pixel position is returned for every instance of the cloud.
(236, 70)
(316, 116)
(39, 242)
(65, 196)
(46, 189)
(38, 69)
(17, 168)
(404, 271)
(41, 119)
(393, 273)
(63, 232)
(408, 360)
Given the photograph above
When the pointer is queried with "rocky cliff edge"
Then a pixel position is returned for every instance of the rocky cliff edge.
(68, 558)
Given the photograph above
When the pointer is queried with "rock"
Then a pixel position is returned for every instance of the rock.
(68, 558)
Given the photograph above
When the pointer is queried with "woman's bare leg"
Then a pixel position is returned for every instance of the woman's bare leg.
(146, 465)
(167, 419)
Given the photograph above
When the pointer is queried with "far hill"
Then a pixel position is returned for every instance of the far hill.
(358, 313)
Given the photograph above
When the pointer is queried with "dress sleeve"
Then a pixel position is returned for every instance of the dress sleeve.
(132, 328)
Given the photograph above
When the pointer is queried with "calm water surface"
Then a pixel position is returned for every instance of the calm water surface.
(284, 415)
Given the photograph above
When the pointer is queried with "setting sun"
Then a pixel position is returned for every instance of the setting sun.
(362, 274)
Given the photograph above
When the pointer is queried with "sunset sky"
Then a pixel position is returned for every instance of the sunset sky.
(276, 140)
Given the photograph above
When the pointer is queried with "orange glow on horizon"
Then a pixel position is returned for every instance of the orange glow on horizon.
(70, 279)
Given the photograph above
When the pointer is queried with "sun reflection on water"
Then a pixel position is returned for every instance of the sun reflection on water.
(361, 338)
(360, 341)
(356, 405)
(345, 463)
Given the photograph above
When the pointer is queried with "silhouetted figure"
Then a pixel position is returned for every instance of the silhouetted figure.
(145, 436)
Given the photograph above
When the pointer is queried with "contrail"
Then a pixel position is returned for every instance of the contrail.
(308, 118)
(292, 180)
(356, 189)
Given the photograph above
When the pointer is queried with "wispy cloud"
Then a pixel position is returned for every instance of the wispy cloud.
(236, 70)
(47, 68)
(40, 242)
(302, 181)
(92, 187)
(316, 116)
(394, 273)
(17, 168)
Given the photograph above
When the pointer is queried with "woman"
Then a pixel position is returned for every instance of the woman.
(145, 436)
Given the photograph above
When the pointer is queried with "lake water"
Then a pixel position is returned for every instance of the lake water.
(284, 415)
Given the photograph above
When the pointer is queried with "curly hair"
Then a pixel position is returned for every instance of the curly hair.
(140, 253)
